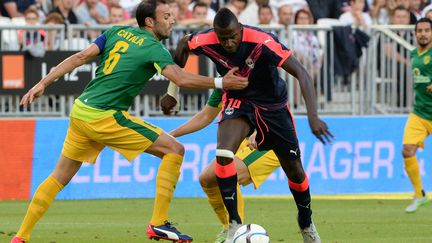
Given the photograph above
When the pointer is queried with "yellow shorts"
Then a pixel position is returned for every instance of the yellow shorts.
(120, 131)
(261, 164)
(416, 130)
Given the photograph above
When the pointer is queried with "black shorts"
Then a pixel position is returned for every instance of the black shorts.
(274, 125)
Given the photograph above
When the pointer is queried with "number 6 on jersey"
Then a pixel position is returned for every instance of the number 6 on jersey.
(113, 58)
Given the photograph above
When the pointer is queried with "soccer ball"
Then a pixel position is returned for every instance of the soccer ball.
(251, 233)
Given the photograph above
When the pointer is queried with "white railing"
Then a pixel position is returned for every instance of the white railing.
(376, 87)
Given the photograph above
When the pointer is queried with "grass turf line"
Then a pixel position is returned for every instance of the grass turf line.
(125, 220)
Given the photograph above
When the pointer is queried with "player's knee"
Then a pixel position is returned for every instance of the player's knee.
(176, 147)
(293, 170)
(204, 180)
(408, 152)
(224, 156)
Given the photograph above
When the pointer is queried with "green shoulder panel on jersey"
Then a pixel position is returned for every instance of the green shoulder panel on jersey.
(421, 64)
(215, 99)
(130, 58)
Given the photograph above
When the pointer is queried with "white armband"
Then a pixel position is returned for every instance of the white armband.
(218, 83)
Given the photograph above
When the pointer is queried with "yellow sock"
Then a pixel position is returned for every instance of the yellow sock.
(42, 200)
(166, 180)
(240, 203)
(216, 202)
(413, 171)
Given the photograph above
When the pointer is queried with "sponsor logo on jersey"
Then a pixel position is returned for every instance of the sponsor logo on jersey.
(229, 111)
(250, 63)
(426, 59)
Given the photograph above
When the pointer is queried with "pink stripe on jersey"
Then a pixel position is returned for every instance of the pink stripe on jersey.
(259, 37)
(202, 40)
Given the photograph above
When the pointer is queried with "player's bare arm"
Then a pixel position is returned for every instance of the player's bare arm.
(197, 122)
(319, 128)
(229, 82)
(64, 67)
(182, 51)
(429, 88)
(194, 81)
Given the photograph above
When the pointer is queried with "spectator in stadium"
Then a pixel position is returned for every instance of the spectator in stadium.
(199, 16)
(419, 123)
(285, 15)
(259, 107)
(9, 8)
(379, 12)
(53, 36)
(305, 43)
(429, 14)
(356, 16)
(30, 38)
(400, 16)
(116, 14)
(43, 7)
(415, 8)
(249, 15)
(65, 9)
(126, 14)
(236, 6)
(99, 116)
(393, 4)
(92, 12)
(265, 15)
(183, 10)
(210, 11)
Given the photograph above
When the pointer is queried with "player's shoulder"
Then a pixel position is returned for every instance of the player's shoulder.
(115, 28)
(257, 35)
(202, 38)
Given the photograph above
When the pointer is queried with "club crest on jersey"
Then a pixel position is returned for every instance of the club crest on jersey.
(426, 59)
(250, 63)
(229, 111)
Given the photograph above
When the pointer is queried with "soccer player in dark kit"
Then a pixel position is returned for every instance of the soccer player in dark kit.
(261, 106)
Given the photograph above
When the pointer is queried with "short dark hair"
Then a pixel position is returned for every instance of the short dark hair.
(304, 11)
(423, 20)
(265, 6)
(147, 8)
(224, 18)
(399, 8)
(199, 4)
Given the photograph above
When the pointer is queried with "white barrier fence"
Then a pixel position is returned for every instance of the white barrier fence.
(380, 83)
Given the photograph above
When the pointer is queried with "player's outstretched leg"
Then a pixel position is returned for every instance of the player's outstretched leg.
(210, 187)
(172, 153)
(413, 171)
(299, 186)
(44, 196)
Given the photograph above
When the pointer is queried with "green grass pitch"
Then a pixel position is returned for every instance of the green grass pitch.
(125, 220)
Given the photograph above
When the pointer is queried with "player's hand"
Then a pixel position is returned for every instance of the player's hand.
(233, 82)
(320, 130)
(252, 144)
(429, 88)
(34, 93)
(168, 105)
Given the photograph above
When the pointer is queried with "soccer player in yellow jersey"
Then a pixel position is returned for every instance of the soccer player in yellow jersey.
(419, 124)
(129, 58)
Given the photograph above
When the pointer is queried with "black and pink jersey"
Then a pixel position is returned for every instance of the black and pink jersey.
(257, 58)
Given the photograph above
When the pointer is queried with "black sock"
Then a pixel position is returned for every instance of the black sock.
(303, 201)
(228, 189)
